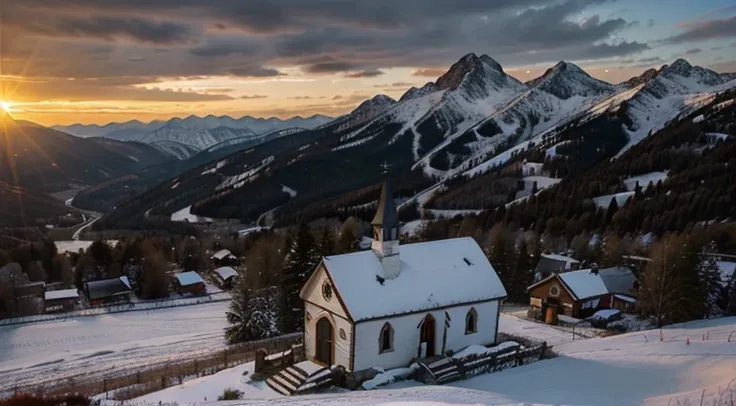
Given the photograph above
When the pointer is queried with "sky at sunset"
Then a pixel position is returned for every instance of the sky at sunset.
(96, 61)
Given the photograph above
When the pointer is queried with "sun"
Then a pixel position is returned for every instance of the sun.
(6, 106)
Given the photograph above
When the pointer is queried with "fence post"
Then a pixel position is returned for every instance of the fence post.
(544, 350)
(225, 355)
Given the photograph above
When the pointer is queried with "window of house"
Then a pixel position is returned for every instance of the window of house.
(327, 291)
(554, 291)
(386, 339)
(471, 322)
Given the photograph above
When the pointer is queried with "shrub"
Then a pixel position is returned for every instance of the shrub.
(230, 394)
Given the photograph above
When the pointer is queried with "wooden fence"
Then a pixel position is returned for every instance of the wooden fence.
(125, 385)
(450, 369)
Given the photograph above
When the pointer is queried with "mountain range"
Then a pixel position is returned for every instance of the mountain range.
(472, 119)
(184, 137)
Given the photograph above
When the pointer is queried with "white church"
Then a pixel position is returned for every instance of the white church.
(387, 306)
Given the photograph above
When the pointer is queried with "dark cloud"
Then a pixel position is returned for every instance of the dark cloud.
(300, 98)
(693, 51)
(700, 31)
(429, 72)
(329, 67)
(104, 27)
(351, 37)
(643, 62)
(254, 96)
(255, 72)
(370, 73)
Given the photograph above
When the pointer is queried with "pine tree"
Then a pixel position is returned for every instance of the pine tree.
(347, 240)
(731, 306)
(523, 274)
(250, 315)
(326, 244)
(63, 270)
(500, 253)
(710, 279)
(299, 263)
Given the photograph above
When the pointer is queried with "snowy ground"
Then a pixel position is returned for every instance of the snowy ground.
(76, 245)
(185, 214)
(644, 180)
(54, 350)
(630, 369)
(605, 201)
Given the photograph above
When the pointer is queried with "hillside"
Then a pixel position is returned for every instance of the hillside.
(473, 118)
(20, 207)
(185, 137)
(49, 161)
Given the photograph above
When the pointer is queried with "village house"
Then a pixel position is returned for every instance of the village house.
(108, 291)
(224, 258)
(554, 263)
(61, 300)
(581, 293)
(390, 305)
(189, 283)
(225, 276)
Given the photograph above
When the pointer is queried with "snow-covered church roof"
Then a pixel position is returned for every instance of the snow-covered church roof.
(433, 274)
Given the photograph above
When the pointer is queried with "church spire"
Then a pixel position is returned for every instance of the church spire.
(386, 217)
(386, 230)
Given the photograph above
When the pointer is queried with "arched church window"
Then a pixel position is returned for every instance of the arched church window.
(471, 321)
(386, 339)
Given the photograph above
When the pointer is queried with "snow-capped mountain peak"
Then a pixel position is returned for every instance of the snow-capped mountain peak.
(414, 92)
(566, 80)
(697, 74)
(645, 77)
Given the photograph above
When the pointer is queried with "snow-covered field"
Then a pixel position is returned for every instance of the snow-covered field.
(51, 351)
(630, 369)
(185, 214)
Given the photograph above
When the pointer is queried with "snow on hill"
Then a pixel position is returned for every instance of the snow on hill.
(366, 111)
(198, 133)
(676, 89)
(604, 201)
(644, 180)
(630, 369)
(566, 80)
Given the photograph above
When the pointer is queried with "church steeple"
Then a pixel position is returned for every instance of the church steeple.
(386, 219)
(386, 229)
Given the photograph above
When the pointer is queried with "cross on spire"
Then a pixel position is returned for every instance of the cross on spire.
(385, 167)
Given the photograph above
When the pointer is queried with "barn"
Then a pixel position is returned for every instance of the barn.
(189, 283)
(108, 291)
(581, 293)
(61, 300)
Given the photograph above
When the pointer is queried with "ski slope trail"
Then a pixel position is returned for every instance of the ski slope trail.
(53, 351)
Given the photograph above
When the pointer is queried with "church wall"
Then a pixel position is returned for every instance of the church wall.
(341, 345)
(406, 335)
(314, 294)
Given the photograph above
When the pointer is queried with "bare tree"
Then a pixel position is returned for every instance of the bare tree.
(658, 295)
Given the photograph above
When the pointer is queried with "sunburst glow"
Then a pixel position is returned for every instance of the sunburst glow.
(6, 106)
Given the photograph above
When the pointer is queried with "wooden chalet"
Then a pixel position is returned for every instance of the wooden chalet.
(189, 283)
(108, 291)
(226, 277)
(581, 293)
(61, 300)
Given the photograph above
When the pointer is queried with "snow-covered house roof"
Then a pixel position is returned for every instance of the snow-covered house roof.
(586, 284)
(222, 254)
(549, 263)
(61, 294)
(189, 278)
(107, 288)
(226, 272)
(432, 274)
